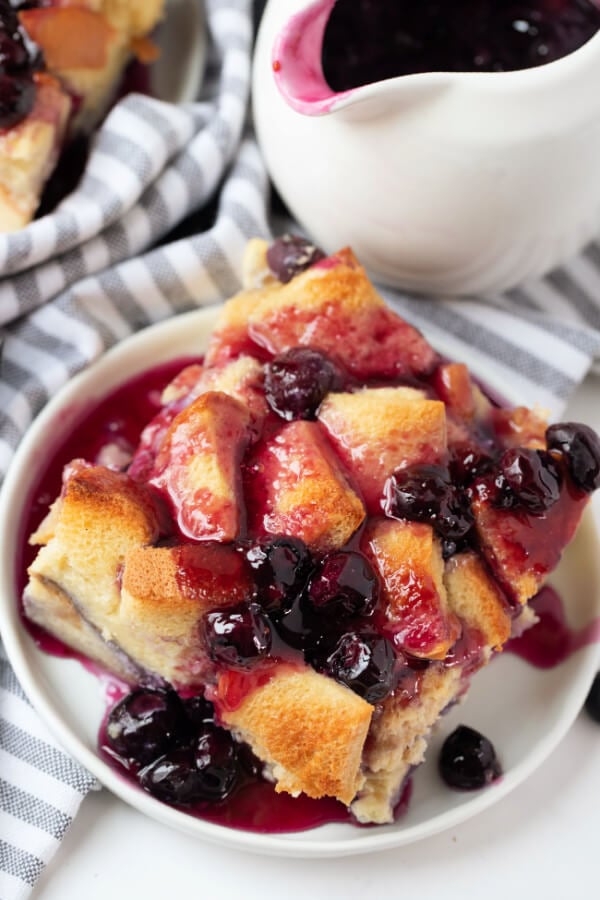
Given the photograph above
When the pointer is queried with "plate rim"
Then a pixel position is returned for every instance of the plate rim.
(18, 643)
(193, 72)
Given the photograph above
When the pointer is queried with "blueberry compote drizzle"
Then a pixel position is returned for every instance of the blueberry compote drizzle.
(197, 766)
(370, 40)
(329, 611)
(202, 770)
(551, 640)
(108, 430)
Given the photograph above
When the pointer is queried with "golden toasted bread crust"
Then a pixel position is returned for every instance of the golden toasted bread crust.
(306, 492)
(132, 17)
(279, 316)
(378, 430)
(98, 579)
(99, 517)
(476, 599)
(166, 592)
(495, 533)
(308, 729)
(408, 558)
(242, 379)
(259, 314)
(256, 273)
(198, 466)
(176, 582)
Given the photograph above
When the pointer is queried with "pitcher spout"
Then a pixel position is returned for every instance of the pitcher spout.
(297, 65)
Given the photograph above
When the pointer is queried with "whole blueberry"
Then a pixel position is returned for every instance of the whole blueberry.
(216, 759)
(281, 568)
(344, 585)
(199, 711)
(290, 255)
(173, 778)
(365, 663)
(238, 637)
(581, 448)
(531, 477)
(295, 625)
(13, 53)
(144, 724)
(297, 382)
(425, 493)
(468, 760)
(468, 462)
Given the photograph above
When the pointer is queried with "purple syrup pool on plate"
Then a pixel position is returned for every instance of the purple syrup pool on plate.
(551, 641)
(371, 40)
(116, 421)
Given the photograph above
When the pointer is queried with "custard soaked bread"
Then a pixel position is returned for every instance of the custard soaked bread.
(325, 532)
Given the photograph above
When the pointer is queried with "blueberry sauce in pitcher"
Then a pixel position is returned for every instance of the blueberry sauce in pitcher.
(371, 40)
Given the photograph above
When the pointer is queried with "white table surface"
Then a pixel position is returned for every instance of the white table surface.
(542, 841)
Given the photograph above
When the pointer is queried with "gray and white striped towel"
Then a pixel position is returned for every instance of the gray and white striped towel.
(74, 283)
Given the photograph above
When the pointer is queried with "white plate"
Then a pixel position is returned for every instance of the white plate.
(523, 710)
(177, 73)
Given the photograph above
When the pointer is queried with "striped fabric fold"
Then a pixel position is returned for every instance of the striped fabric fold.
(109, 261)
(41, 789)
(538, 356)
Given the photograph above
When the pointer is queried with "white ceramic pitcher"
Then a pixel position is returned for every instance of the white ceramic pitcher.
(446, 182)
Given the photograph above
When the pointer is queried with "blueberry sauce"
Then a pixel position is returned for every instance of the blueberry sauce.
(198, 767)
(293, 607)
(551, 641)
(371, 40)
(117, 421)
(253, 805)
(205, 773)
(282, 569)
